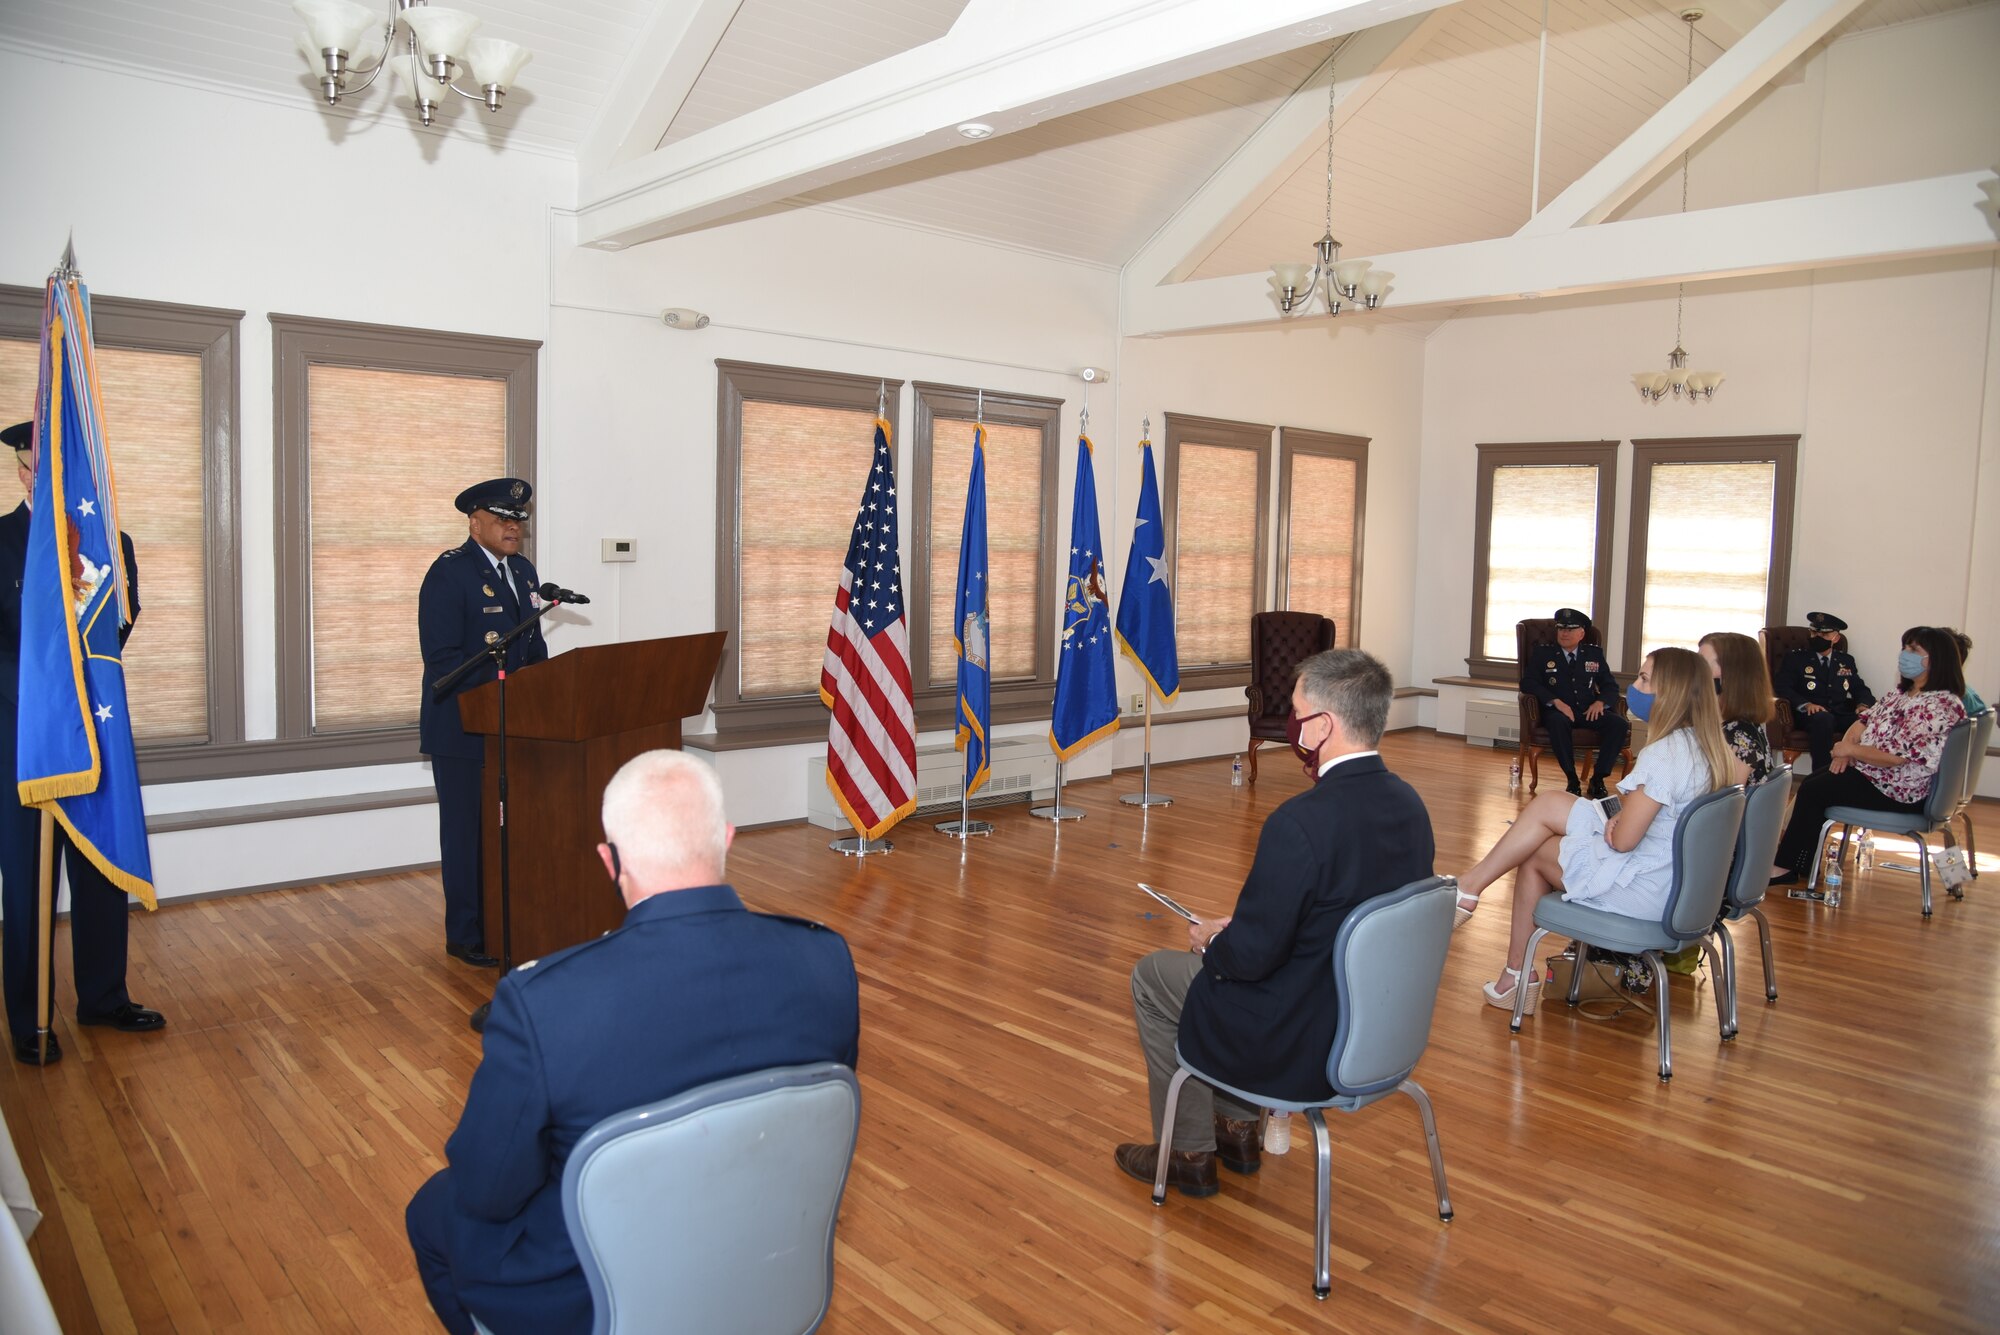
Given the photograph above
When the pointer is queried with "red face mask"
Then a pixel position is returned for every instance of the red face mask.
(1294, 726)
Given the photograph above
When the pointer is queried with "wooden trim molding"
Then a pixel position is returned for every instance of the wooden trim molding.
(1216, 431)
(1600, 454)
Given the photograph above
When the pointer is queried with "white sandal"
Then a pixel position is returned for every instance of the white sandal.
(1505, 1000)
(1466, 904)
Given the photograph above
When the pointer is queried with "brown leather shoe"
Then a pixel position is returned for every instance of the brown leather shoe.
(1191, 1171)
(1238, 1145)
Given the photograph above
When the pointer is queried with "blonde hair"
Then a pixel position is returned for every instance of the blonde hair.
(1684, 697)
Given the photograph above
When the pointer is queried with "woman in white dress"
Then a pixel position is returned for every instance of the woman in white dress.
(1563, 844)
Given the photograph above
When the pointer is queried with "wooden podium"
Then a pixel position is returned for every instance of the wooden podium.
(571, 722)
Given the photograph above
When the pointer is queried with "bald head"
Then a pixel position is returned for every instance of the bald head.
(663, 812)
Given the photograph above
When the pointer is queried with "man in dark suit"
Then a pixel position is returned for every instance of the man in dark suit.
(1252, 1000)
(471, 596)
(692, 988)
(1823, 687)
(98, 909)
(1575, 686)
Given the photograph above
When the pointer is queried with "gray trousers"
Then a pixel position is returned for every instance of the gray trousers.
(1160, 983)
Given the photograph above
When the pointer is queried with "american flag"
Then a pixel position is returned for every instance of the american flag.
(871, 745)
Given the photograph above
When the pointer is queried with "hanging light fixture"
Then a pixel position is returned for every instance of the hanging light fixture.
(343, 40)
(1328, 276)
(1677, 380)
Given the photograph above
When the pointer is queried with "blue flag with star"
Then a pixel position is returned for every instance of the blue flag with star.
(1146, 601)
(970, 626)
(75, 756)
(1086, 706)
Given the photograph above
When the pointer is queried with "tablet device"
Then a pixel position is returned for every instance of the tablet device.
(1610, 805)
(1166, 901)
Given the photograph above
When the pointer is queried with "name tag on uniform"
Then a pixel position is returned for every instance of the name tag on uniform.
(493, 609)
(1847, 672)
(1590, 667)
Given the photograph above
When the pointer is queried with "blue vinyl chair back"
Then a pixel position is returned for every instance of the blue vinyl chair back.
(1704, 846)
(713, 1211)
(1757, 844)
(1387, 961)
(1948, 784)
(1975, 756)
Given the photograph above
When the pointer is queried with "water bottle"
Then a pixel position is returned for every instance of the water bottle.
(1831, 876)
(1236, 772)
(1514, 778)
(1864, 853)
(1277, 1132)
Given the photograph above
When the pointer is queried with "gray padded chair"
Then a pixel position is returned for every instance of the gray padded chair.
(1975, 761)
(1756, 849)
(1704, 844)
(713, 1211)
(1387, 960)
(1945, 801)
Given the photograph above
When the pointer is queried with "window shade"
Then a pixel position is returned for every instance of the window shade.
(1708, 551)
(1215, 552)
(1542, 552)
(1013, 542)
(1319, 529)
(152, 423)
(801, 475)
(388, 451)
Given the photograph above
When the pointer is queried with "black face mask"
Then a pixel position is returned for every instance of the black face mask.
(617, 872)
(1822, 644)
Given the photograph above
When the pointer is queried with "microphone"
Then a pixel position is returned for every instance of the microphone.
(555, 593)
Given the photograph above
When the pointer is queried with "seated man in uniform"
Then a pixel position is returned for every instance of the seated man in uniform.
(1823, 687)
(692, 988)
(1575, 686)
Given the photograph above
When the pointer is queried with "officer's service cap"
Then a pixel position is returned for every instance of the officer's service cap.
(1825, 621)
(1568, 618)
(504, 496)
(20, 436)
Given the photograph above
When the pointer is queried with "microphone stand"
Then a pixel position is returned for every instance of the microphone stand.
(497, 653)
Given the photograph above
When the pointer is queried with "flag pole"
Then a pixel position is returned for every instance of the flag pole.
(45, 906)
(1058, 812)
(1146, 797)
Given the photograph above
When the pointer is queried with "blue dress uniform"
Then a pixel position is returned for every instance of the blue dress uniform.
(98, 909)
(1579, 678)
(1825, 677)
(467, 602)
(692, 988)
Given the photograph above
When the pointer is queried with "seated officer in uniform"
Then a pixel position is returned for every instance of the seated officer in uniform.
(1823, 688)
(692, 988)
(471, 596)
(1574, 685)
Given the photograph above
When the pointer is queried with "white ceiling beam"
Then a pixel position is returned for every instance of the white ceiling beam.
(1010, 65)
(1293, 136)
(1725, 85)
(659, 72)
(1906, 220)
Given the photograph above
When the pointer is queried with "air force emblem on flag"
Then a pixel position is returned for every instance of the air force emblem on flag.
(973, 636)
(1082, 598)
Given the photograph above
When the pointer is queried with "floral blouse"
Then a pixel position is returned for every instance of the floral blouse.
(1912, 726)
(1752, 746)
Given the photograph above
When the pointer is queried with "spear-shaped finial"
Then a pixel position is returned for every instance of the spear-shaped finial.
(1146, 429)
(66, 266)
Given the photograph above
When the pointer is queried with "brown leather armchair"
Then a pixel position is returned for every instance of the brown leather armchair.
(1535, 737)
(1279, 642)
(1779, 641)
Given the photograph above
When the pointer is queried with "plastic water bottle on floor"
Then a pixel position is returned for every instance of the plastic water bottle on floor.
(1514, 779)
(1277, 1132)
(1831, 876)
(1236, 772)
(1864, 853)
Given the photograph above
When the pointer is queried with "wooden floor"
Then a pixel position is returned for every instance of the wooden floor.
(1834, 1169)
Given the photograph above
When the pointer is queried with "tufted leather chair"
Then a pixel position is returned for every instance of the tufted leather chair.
(1534, 737)
(1279, 642)
(1779, 641)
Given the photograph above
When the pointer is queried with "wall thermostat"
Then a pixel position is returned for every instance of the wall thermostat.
(621, 549)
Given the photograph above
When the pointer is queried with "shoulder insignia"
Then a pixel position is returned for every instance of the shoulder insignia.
(523, 968)
(803, 922)
(450, 552)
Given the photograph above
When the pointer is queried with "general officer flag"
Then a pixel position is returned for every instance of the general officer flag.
(75, 756)
(1086, 685)
(1146, 602)
(969, 626)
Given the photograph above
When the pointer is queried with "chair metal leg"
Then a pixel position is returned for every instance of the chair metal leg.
(1971, 848)
(1764, 940)
(1726, 980)
(1659, 968)
(1167, 1135)
(1924, 870)
(1423, 1102)
(1829, 897)
(1521, 983)
(1576, 973)
(1322, 1205)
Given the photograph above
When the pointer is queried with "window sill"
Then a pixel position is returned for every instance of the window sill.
(290, 755)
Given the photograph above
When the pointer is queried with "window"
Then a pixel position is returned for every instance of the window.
(1021, 474)
(1711, 541)
(1322, 494)
(793, 450)
(1542, 540)
(1214, 494)
(378, 429)
(168, 378)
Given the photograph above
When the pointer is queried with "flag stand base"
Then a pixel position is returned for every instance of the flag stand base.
(859, 846)
(1057, 811)
(1146, 797)
(964, 827)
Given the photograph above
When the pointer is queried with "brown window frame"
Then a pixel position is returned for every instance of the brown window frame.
(1227, 434)
(214, 335)
(1492, 457)
(1781, 451)
(298, 343)
(1294, 441)
(1015, 700)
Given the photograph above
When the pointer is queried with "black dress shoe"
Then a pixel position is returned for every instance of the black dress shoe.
(472, 955)
(1789, 878)
(28, 1051)
(129, 1018)
(1574, 788)
(1596, 789)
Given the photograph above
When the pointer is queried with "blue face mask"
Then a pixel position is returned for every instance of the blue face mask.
(1911, 664)
(1639, 702)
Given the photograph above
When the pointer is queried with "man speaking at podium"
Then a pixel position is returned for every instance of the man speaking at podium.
(471, 597)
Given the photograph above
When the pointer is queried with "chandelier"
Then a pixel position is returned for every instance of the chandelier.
(1677, 380)
(345, 39)
(1328, 276)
